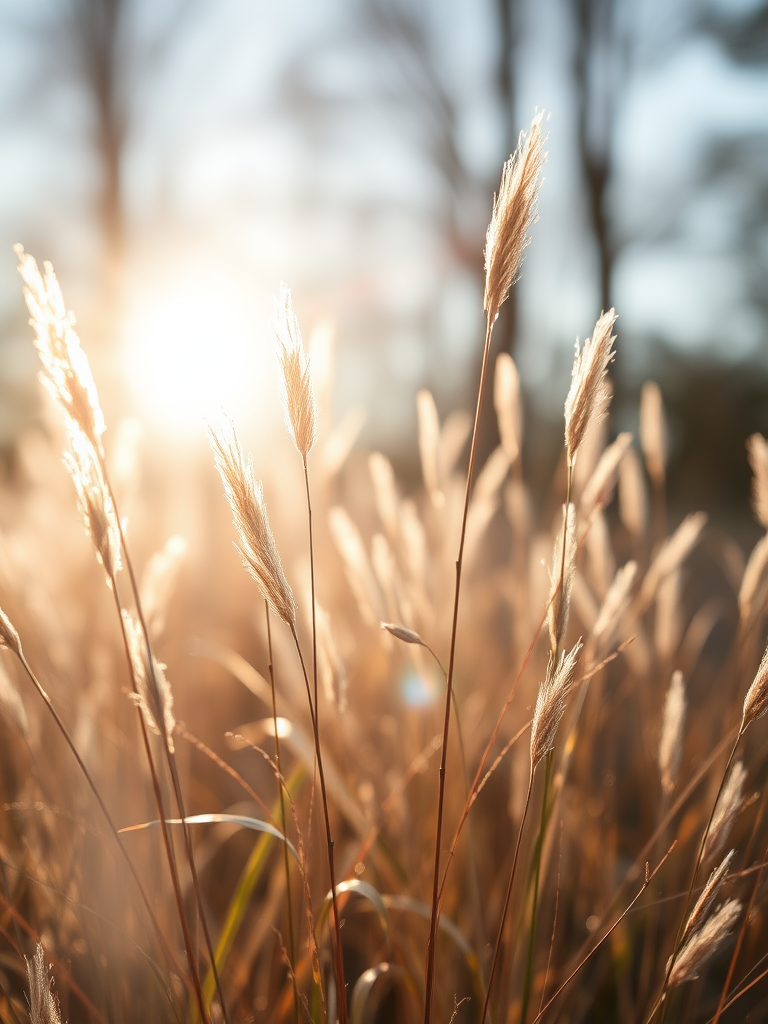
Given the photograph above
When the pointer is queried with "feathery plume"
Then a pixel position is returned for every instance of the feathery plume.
(249, 513)
(653, 431)
(704, 943)
(66, 372)
(9, 637)
(757, 451)
(154, 696)
(94, 500)
(43, 1004)
(599, 487)
(756, 700)
(725, 813)
(672, 554)
(560, 596)
(506, 401)
(514, 212)
(671, 742)
(613, 607)
(633, 502)
(551, 703)
(297, 391)
(753, 592)
(707, 898)
(588, 396)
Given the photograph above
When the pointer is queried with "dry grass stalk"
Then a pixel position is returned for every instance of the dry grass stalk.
(753, 592)
(703, 945)
(671, 742)
(599, 487)
(756, 700)
(66, 372)
(757, 450)
(673, 553)
(94, 500)
(653, 432)
(514, 212)
(612, 609)
(668, 624)
(561, 579)
(154, 696)
(725, 812)
(507, 402)
(707, 898)
(588, 397)
(551, 703)
(633, 501)
(43, 1004)
(297, 391)
(249, 512)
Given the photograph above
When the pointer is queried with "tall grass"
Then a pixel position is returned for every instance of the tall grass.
(308, 817)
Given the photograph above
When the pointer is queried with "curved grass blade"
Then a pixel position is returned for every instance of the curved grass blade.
(242, 821)
(365, 984)
(359, 888)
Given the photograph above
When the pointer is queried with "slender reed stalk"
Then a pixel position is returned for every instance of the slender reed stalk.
(338, 962)
(166, 742)
(283, 820)
(507, 897)
(537, 855)
(164, 828)
(661, 1003)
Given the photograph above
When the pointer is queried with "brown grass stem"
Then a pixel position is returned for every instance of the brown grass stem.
(338, 962)
(505, 908)
(660, 1005)
(537, 856)
(283, 821)
(648, 879)
(340, 984)
(431, 942)
(128, 561)
(164, 828)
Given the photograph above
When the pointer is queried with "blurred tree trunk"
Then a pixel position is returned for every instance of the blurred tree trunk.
(506, 10)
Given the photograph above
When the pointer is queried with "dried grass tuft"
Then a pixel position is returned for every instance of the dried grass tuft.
(671, 742)
(551, 703)
(725, 813)
(707, 898)
(703, 945)
(297, 391)
(249, 511)
(514, 213)
(756, 700)
(94, 500)
(588, 397)
(43, 1004)
(154, 696)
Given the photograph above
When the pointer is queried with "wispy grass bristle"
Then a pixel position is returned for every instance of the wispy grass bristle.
(703, 945)
(153, 695)
(43, 1004)
(297, 388)
(756, 700)
(588, 397)
(94, 501)
(551, 703)
(727, 808)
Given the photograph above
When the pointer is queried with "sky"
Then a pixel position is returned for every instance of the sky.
(292, 142)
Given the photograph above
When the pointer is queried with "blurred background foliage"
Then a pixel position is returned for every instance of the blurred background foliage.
(176, 161)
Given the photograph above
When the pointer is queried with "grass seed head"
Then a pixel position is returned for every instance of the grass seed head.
(671, 742)
(94, 500)
(43, 1004)
(653, 431)
(66, 372)
(507, 402)
(588, 397)
(298, 392)
(8, 636)
(725, 813)
(551, 703)
(249, 512)
(757, 450)
(514, 212)
(154, 696)
(704, 943)
(708, 896)
(756, 700)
